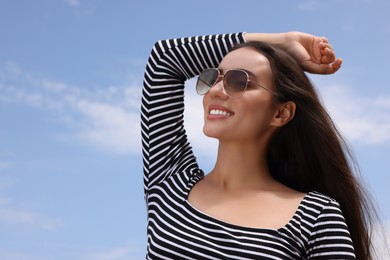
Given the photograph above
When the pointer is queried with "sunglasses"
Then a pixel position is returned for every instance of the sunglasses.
(235, 82)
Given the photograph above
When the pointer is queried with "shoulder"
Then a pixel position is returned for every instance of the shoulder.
(317, 201)
(323, 213)
(320, 211)
(328, 234)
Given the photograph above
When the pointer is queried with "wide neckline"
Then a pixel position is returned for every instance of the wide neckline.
(241, 227)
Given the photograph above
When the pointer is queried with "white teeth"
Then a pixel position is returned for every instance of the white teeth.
(219, 112)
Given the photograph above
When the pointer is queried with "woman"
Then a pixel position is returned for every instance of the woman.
(282, 186)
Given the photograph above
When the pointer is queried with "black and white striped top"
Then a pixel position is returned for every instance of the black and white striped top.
(176, 230)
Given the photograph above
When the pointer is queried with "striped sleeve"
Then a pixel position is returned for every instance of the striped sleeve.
(164, 143)
(329, 237)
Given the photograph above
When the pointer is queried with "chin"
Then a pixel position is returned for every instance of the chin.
(212, 133)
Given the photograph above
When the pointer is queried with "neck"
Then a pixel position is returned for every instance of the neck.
(241, 165)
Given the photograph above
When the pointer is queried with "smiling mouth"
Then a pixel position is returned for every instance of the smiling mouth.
(218, 112)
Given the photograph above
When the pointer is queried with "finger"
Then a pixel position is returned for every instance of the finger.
(322, 40)
(325, 47)
(329, 56)
(322, 68)
(327, 53)
(337, 64)
(322, 45)
(330, 68)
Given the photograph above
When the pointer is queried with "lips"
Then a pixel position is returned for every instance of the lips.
(217, 112)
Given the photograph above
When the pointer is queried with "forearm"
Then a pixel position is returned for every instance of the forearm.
(272, 38)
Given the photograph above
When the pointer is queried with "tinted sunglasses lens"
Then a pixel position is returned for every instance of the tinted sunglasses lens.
(235, 82)
(206, 80)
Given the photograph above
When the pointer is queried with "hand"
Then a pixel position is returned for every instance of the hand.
(314, 54)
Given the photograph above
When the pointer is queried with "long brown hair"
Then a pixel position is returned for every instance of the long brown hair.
(309, 152)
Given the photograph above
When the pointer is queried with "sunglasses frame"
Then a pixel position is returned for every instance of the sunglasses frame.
(222, 77)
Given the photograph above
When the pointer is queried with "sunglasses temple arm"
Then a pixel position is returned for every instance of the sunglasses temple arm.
(273, 92)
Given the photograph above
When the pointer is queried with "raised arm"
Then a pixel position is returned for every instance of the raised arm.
(166, 150)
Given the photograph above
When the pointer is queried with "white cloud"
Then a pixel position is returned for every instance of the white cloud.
(110, 127)
(106, 118)
(361, 119)
(112, 124)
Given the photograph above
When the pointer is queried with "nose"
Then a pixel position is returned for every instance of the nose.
(217, 90)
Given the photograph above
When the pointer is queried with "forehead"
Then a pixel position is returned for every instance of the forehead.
(248, 59)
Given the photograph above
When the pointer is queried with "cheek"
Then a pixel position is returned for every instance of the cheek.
(258, 117)
(204, 104)
(204, 100)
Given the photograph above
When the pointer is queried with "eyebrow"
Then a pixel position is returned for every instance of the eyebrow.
(250, 73)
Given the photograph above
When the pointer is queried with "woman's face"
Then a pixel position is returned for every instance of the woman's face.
(249, 117)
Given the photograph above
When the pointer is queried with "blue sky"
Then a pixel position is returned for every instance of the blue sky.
(70, 79)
